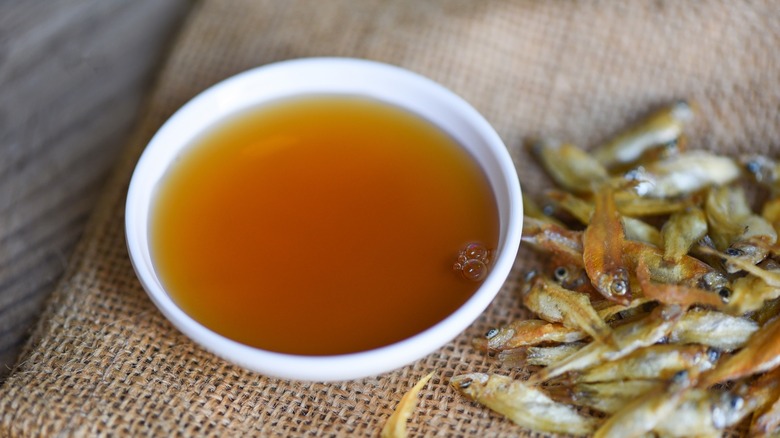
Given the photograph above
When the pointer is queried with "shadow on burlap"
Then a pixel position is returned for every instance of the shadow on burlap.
(103, 360)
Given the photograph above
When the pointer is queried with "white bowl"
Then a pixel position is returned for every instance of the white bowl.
(317, 76)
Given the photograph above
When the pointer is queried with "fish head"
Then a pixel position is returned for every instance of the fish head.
(746, 250)
(712, 281)
(728, 409)
(497, 338)
(614, 286)
(469, 384)
(682, 110)
(570, 277)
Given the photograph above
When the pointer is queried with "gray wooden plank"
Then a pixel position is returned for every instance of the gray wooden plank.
(72, 77)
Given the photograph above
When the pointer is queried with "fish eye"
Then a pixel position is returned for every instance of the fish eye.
(713, 354)
(753, 166)
(632, 175)
(680, 376)
(711, 280)
(465, 384)
(736, 402)
(491, 333)
(725, 294)
(560, 273)
(734, 252)
(618, 287)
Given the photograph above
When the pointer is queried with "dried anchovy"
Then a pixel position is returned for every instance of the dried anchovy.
(666, 288)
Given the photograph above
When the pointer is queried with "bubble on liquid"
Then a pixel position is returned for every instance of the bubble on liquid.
(476, 251)
(474, 270)
(472, 261)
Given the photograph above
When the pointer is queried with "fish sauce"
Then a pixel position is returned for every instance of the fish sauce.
(320, 225)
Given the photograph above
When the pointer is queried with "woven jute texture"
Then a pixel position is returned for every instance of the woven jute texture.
(103, 360)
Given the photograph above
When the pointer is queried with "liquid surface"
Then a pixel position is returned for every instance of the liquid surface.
(320, 225)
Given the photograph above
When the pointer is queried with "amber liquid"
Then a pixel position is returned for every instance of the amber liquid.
(320, 225)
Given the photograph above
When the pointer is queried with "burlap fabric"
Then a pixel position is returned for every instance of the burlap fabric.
(103, 360)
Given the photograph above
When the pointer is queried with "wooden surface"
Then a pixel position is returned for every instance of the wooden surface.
(73, 74)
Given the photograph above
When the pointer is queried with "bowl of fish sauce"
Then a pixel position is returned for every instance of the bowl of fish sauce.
(323, 219)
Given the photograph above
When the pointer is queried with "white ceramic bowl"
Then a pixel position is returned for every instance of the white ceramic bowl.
(317, 76)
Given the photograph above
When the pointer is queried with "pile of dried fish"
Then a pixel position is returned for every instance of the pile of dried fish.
(656, 310)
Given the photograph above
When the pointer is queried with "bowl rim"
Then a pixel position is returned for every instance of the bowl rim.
(361, 76)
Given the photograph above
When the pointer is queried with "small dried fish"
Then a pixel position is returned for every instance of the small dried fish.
(765, 170)
(562, 244)
(570, 167)
(714, 329)
(654, 362)
(395, 427)
(538, 356)
(574, 278)
(688, 271)
(760, 353)
(711, 259)
(736, 229)
(603, 250)
(630, 203)
(771, 277)
(681, 231)
(608, 309)
(646, 412)
(553, 303)
(532, 209)
(682, 174)
(661, 306)
(769, 310)
(659, 128)
(576, 206)
(525, 405)
(725, 207)
(764, 394)
(641, 231)
(707, 412)
(629, 338)
(582, 210)
(608, 397)
(524, 332)
(754, 244)
(685, 296)
(749, 293)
